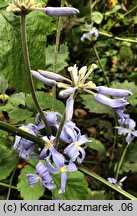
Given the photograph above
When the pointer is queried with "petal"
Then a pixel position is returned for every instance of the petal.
(58, 159)
(72, 151)
(130, 123)
(112, 180)
(122, 130)
(17, 142)
(134, 133)
(83, 139)
(83, 154)
(51, 185)
(32, 178)
(40, 168)
(69, 108)
(51, 168)
(64, 178)
(128, 138)
(71, 167)
(67, 92)
(43, 79)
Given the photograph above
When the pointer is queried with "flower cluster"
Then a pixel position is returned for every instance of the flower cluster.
(53, 160)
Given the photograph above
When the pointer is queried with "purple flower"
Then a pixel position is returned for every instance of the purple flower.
(49, 82)
(114, 103)
(48, 146)
(67, 92)
(121, 114)
(24, 146)
(53, 119)
(59, 161)
(75, 149)
(51, 75)
(61, 11)
(113, 91)
(69, 108)
(91, 35)
(130, 124)
(117, 183)
(42, 176)
(69, 132)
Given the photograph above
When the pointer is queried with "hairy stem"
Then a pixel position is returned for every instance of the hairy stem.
(28, 73)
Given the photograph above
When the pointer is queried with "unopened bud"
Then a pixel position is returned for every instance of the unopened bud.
(61, 11)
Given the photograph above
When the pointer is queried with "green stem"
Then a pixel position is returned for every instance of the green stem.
(28, 73)
(16, 131)
(6, 185)
(118, 38)
(101, 66)
(99, 178)
(59, 130)
(121, 161)
(10, 185)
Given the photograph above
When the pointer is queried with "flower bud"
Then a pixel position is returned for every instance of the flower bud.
(44, 80)
(67, 92)
(114, 92)
(61, 11)
(51, 75)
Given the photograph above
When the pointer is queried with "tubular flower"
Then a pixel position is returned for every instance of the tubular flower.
(129, 129)
(91, 35)
(69, 132)
(42, 176)
(61, 11)
(59, 161)
(114, 103)
(118, 183)
(53, 119)
(113, 92)
(75, 149)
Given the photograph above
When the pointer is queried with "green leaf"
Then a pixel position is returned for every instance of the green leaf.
(8, 161)
(96, 145)
(38, 26)
(95, 107)
(76, 188)
(45, 101)
(128, 86)
(96, 17)
(97, 195)
(17, 99)
(3, 137)
(26, 191)
(19, 114)
(61, 58)
(130, 160)
(125, 53)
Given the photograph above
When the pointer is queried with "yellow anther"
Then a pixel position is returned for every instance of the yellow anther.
(63, 169)
(70, 69)
(39, 178)
(26, 129)
(47, 144)
(76, 144)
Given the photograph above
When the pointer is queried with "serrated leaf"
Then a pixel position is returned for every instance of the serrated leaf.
(45, 101)
(8, 161)
(26, 191)
(76, 189)
(17, 99)
(96, 145)
(38, 26)
(61, 57)
(95, 107)
(128, 86)
(96, 17)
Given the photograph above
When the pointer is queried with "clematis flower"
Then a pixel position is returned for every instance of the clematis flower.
(69, 132)
(53, 119)
(61, 11)
(75, 149)
(114, 103)
(42, 176)
(118, 183)
(130, 130)
(59, 162)
(113, 91)
(91, 35)
(49, 146)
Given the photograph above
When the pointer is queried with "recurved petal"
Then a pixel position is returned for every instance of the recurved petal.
(64, 178)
